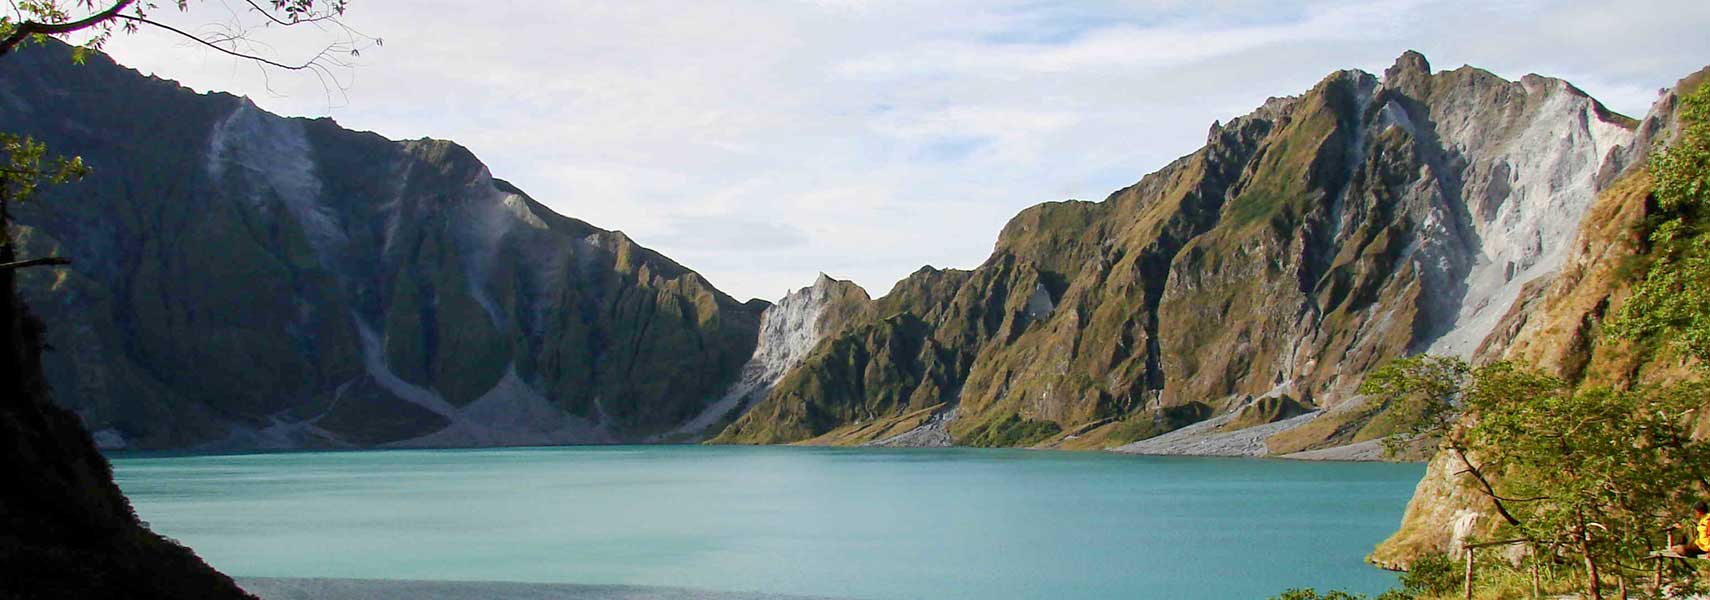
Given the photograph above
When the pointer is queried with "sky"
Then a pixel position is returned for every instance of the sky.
(764, 142)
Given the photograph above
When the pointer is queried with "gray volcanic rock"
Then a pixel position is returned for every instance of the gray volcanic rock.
(788, 331)
(1206, 438)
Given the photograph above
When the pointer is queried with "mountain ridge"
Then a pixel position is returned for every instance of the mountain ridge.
(1368, 217)
(1390, 214)
(255, 281)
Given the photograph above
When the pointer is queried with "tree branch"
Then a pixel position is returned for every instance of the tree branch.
(1501, 543)
(1489, 490)
(1503, 498)
(35, 262)
(30, 28)
(274, 18)
(199, 40)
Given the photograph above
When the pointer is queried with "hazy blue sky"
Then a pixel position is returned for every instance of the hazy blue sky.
(763, 142)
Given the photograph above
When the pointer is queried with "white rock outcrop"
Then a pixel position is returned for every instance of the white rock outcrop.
(1525, 189)
(789, 330)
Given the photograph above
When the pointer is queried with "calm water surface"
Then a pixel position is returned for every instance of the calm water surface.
(867, 524)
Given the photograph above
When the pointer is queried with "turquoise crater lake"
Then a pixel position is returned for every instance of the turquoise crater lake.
(865, 524)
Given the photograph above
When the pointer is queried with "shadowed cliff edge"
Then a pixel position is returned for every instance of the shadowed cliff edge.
(66, 531)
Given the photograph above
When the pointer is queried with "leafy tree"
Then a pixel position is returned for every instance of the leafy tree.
(1672, 302)
(26, 168)
(1422, 389)
(1429, 391)
(1431, 574)
(1592, 473)
(38, 20)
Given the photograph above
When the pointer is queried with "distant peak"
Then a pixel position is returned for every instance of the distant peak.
(828, 284)
(1409, 62)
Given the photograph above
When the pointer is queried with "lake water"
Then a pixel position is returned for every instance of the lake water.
(867, 524)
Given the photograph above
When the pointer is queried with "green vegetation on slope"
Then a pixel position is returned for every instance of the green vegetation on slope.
(1273, 260)
(1670, 301)
(195, 256)
(1265, 410)
(1439, 577)
(1011, 431)
(872, 370)
(1153, 423)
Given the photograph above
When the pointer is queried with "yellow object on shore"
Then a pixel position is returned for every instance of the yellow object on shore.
(1704, 533)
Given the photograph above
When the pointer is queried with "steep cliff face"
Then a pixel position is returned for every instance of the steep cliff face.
(246, 280)
(1556, 325)
(1306, 243)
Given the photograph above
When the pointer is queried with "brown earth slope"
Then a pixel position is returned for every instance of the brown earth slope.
(1304, 244)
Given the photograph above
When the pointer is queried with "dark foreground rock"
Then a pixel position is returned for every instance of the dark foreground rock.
(65, 529)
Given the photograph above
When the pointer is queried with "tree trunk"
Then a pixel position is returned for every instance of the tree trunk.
(7, 254)
(1657, 585)
(1489, 490)
(1536, 588)
(1469, 572)
(1594, 585)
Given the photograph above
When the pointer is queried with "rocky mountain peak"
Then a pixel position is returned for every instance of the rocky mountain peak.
(1411, 64)
(789, 331)
(452, 159)
(1309, 241)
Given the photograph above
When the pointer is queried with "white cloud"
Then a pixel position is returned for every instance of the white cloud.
(762, 143)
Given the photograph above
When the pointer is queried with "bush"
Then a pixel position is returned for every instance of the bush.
(1012, 431)
(1431, 574)
(1312, 594)
(1156, 422)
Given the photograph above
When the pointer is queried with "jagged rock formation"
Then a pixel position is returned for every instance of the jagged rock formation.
(1556, 326)
(247, 280)
(1306, 243)
(788, 331)
(66, 531)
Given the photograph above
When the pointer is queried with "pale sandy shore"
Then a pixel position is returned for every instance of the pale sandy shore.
(1367, 451)
(1206, 438)
(385, 589)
